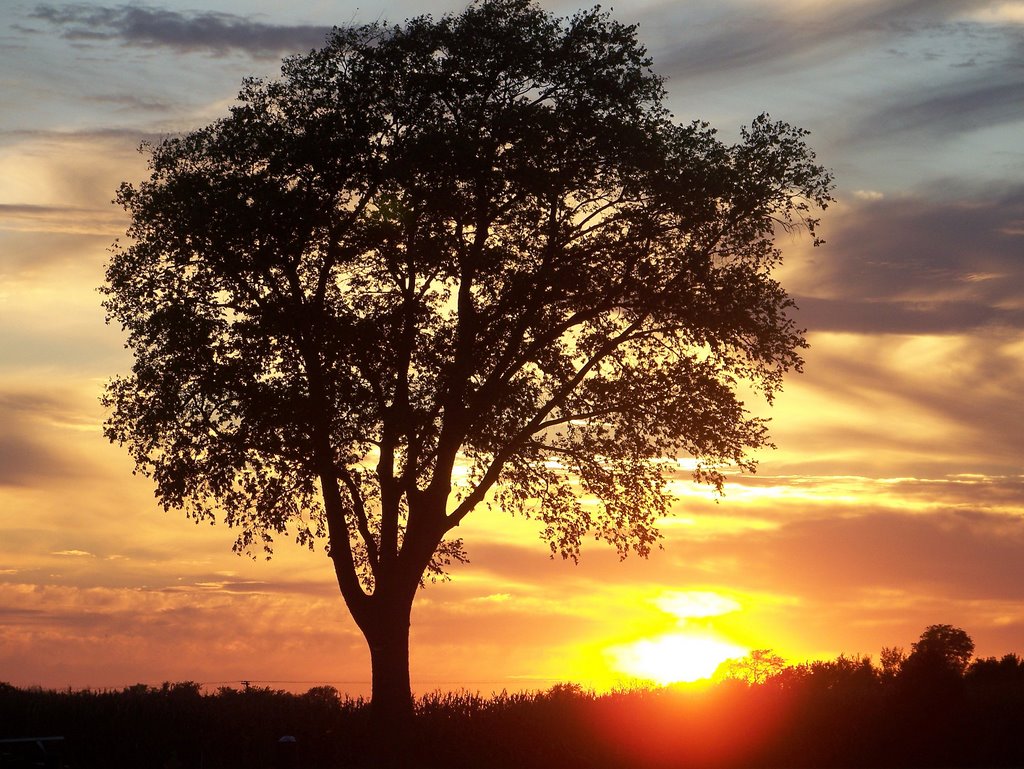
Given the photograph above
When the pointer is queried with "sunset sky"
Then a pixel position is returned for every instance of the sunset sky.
(895, 499)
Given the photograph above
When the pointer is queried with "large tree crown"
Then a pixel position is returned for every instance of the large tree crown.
(462, 259)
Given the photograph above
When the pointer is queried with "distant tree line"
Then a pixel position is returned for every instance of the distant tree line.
(932, 707)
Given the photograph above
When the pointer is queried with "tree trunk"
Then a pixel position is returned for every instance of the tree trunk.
(389, 661)
(391, 704)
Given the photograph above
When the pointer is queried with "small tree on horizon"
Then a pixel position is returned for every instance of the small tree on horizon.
(941, 648)
(756, 668)
(459, 260)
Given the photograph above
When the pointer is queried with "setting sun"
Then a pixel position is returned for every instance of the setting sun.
(673, 657)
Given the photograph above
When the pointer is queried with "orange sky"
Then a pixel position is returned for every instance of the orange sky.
(893, 502)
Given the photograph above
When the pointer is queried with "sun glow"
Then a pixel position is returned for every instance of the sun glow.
(686, 653)
(674, 657)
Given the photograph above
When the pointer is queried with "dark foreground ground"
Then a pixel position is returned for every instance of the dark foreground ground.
(844, 713)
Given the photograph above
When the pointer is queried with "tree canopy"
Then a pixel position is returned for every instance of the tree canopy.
(460, 260)
(942, 647)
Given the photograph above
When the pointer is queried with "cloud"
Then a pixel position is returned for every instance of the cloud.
(57, 217)
(915, 309)
(1000, 13)
(28, 453)
(203, 31)
(132, 102)
(862, 75)
(31, 211)
(751, 35)
(24, 460)
(815, 494)
(948, 249)
(994, 97)
(834, 572)
(915, 405)
(108, 637)
(47, 220)
(896, 317)
(53, 173)
(132, 137)
(839, 578)
(959, 555)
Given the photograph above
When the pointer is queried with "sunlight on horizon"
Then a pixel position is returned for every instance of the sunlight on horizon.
(674, 657)
(681, 655)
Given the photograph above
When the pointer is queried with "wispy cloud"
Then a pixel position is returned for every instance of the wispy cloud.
(742, 34)
(200, 31)
(27, 456)
(920, 405)
(994, 97)
(900, 317)
(952, 249)
(51, 220)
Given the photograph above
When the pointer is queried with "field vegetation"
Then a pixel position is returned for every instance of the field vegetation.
(933, 707)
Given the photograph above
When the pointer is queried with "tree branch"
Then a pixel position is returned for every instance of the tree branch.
(494, 470)
(362, 523)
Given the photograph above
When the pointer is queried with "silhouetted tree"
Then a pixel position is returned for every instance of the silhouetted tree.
(941, 647)
(996, 691)
(477, 243)
(1007, 670)
(932, 698)
(891, 659)
(757, 667)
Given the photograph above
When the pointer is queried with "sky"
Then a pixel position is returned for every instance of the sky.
(894, 499)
